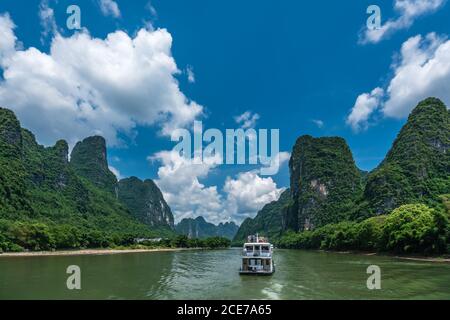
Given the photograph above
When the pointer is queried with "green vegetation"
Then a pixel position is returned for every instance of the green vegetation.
(47, 202)
(13, 199)
(145, 201)
(325, 187)
(325, 183)
(199, 228)
(183, 241)
(417, 167)
(413, 228)
(335, 206)
(88, 160)
(416, 228)
(36, 236)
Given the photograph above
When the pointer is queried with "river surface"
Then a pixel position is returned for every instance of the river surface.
(214, 275)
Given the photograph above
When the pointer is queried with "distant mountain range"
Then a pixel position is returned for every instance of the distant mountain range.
(200, 228)
(326, 186)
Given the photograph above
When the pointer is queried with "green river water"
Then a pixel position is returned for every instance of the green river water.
(214, 275)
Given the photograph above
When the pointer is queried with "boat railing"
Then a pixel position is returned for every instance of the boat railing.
(257, 268)
(264, 253)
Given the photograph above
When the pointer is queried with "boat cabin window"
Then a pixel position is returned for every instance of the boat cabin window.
(249, 248)
(257, 248)
(255, 262)
(265, 248)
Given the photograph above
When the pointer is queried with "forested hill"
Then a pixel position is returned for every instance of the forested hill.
(330, 198)
(417, 167)
(47, 201)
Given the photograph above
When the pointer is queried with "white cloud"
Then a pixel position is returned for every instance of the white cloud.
(7, 37)
(180, 181)
(409, 11)
(109, 8)
(47, 20)
(422, 70)
(116, 172)
(87, 86)
(318, 123)
(190, 74)
(247, 119)
(248, 193)
(283, 157)
(364, 106)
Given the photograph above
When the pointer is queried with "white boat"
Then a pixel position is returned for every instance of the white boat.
(257, 257)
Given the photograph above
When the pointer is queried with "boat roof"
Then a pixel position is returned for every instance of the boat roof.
(257, 243)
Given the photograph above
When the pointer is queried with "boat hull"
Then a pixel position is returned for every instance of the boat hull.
(256, 273)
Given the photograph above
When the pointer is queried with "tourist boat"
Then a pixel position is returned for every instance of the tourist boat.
(257, 256)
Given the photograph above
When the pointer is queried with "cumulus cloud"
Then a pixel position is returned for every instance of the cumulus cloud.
(87, 86)
(109, 8)
(408, 11)
(422, 70)
(247, 119)
(364, 106)
(180, 179)
(248, 193)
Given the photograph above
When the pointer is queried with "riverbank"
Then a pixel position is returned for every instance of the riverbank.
(426, 259)
(87, 252)
(83, 252)
(441, 259)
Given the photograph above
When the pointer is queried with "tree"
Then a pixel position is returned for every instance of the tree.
(415, 228)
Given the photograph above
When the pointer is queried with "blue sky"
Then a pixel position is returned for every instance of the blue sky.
(300, 66)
